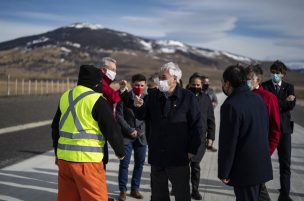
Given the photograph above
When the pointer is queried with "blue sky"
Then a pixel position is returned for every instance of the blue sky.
(271, 29)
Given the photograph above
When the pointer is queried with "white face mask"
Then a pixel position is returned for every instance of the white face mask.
(111, 74)
(249, 84)
(163, 86)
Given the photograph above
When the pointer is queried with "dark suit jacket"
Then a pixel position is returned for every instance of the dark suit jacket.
(208, 123)
(175, 127)
(127, 121)
(285, 107)
(243, 155)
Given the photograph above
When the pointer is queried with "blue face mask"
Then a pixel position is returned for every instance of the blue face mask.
(275, 78)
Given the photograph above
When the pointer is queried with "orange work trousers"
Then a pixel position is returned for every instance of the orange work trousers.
(81, 182)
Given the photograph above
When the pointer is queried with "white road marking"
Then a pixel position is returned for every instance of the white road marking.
(24, 126)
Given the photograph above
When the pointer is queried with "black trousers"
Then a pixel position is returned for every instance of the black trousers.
(264, 195)
(247, 193)
(195, 175)
(284, 153)
(179, 178)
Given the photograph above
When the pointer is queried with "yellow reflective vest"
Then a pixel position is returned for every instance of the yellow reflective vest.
(80, 137)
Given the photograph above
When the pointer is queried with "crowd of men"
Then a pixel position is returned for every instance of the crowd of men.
(176, 125)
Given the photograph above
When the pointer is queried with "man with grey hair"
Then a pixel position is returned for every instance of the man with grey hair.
(108, 73)
(175, 129)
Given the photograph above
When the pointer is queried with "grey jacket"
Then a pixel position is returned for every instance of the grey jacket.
(128, 123)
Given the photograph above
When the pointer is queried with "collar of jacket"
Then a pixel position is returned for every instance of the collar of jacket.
(240, 89)
(177, 93)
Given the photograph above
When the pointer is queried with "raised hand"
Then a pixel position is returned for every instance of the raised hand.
(138, 102)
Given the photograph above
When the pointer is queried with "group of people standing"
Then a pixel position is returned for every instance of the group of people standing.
(176, 125)
(255, 120)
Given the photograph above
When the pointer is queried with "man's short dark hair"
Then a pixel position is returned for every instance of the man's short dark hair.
(278, 66)
(138, 77)
(236, 75)
(194, 76)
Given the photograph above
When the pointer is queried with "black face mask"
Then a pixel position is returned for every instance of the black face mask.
(150, 90)
(195, 90)
(205, 86)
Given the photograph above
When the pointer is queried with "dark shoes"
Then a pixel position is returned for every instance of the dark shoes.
(196, 195)
(284, 198)
(122, 196)
(211, 148)
(136, 194)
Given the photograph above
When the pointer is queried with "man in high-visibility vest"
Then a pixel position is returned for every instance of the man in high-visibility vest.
(81, 124)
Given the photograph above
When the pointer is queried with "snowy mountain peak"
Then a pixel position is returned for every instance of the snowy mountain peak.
(171, 43)
(80, 25)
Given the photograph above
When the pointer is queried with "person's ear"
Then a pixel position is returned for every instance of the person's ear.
(103, 70)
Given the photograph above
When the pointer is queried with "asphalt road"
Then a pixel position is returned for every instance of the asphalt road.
(17, 146)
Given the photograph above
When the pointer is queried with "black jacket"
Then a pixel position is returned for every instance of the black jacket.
(208, 122)
(102, 113)
(285, 106)
(243, 155)
(175, 126)
(128, 123)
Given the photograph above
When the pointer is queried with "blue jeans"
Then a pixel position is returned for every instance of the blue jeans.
(139, 160)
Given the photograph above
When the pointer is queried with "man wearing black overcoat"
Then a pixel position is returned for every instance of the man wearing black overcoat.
(243, 158)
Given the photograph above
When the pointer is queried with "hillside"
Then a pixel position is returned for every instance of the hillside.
(59, 53)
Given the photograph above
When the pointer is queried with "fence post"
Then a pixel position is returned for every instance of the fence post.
(22, 87)
(36, 87)
(52, 87)
(57, 86)
(8, 84)
(41, 87)
(29, 87)
(47, 87)
(16, 86)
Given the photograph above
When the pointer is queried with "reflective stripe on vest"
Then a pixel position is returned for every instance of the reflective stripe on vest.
(82, 149)
(79, 148)
(81, 135)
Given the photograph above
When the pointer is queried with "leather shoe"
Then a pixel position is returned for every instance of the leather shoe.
(122, 196)
(196, 195)
(172, 193)
(284, 198)
(211, 148)
(136, 194)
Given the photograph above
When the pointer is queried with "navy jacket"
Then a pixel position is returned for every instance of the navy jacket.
(243, 155)
(208, 123)
(175, 126)
(285, 106)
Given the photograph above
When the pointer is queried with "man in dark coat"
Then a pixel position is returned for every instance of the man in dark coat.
(207, 113)
(175, 129)
(286, 98)
(243, 159)
(133, 131)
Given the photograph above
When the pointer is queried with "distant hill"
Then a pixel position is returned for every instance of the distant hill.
(59, 53)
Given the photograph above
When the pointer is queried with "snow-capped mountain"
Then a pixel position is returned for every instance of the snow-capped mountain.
(64, 49)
